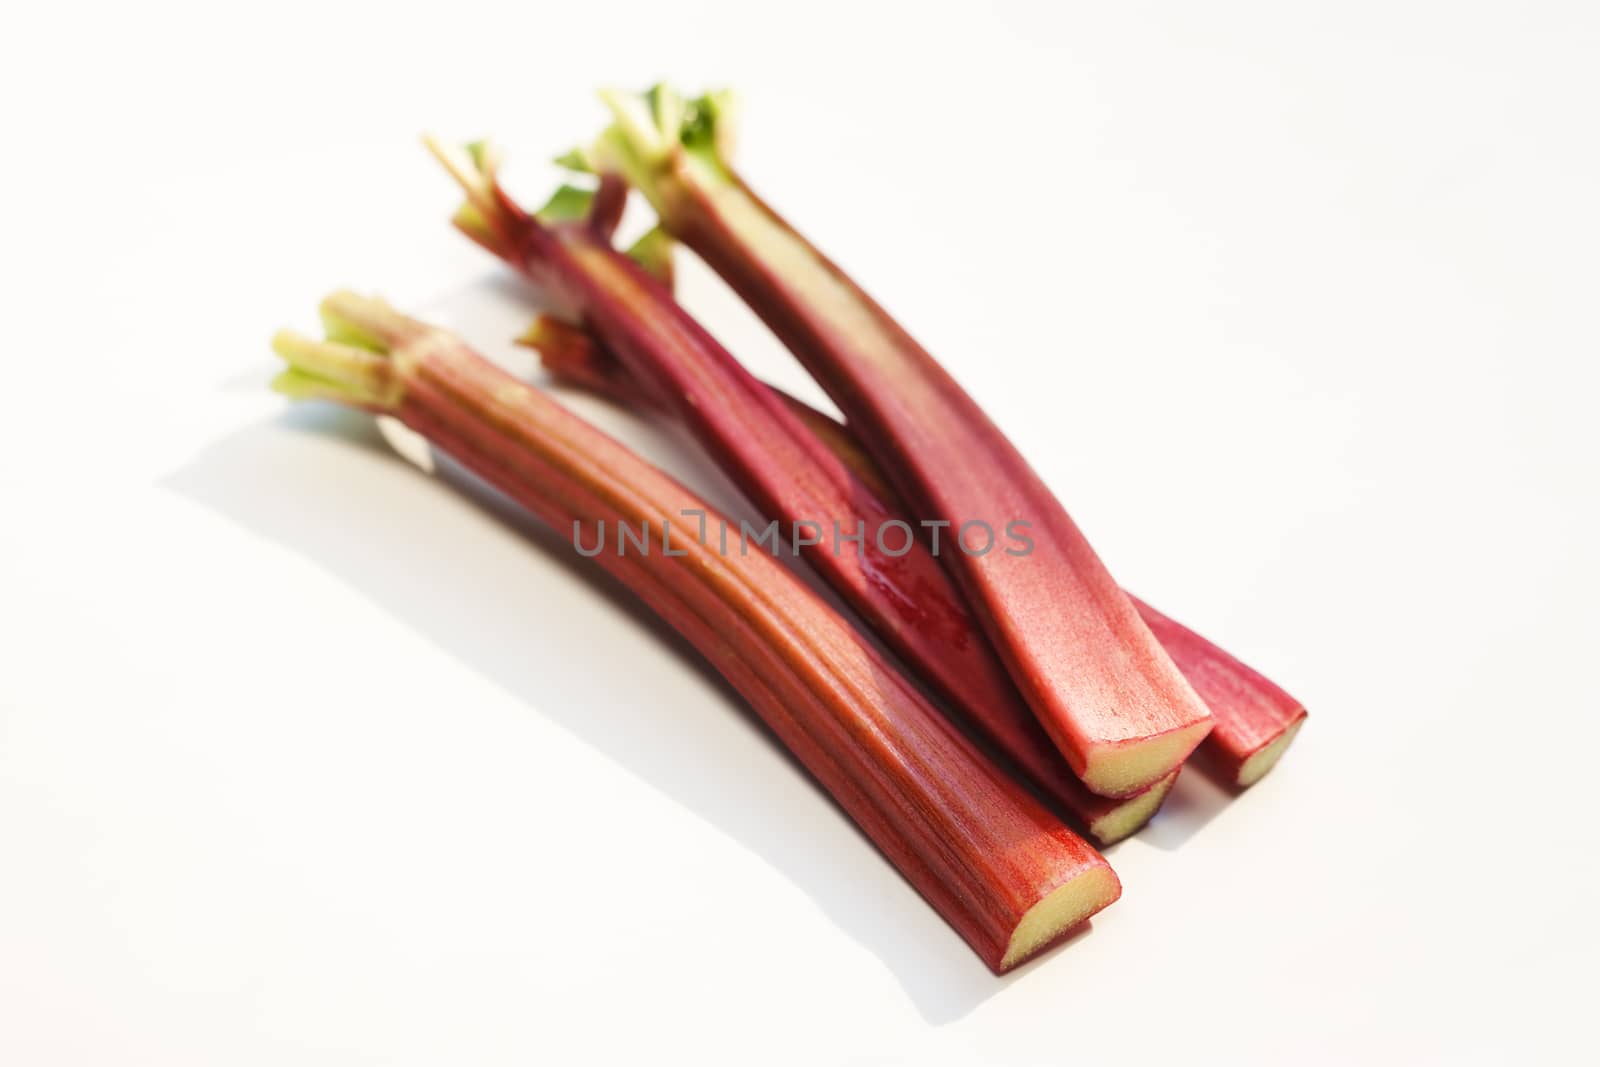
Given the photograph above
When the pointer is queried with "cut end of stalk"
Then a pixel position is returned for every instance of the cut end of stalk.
(472, 165)
(571, 356)
(649, 129)
(1065, 907)
(487, 217)
(568, 352)
(1122, 770)
(1266, 757)
(1130, 817)
(367, 322)
(352, 365)
(547, 331)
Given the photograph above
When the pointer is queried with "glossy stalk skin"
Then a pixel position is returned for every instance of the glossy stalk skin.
(1089, 667)
(977, 846)
(789, 473)
(570, 354)
(1251, 713)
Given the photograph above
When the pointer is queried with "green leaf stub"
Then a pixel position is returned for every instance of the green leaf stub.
(567, 204)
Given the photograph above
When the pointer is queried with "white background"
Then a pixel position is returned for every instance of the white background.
(306, 758)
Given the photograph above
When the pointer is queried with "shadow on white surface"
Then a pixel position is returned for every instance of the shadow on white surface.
(1191, 805)
(243, 478)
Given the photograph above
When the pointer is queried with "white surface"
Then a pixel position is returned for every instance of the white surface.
(304, 758)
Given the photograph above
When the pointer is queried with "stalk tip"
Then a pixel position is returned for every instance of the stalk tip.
(649, 129)
(351, 365)
(486, 216)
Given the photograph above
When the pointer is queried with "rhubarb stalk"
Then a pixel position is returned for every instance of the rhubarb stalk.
(1094, 675)
(1255, 720)
(998, 866)
(859, 544)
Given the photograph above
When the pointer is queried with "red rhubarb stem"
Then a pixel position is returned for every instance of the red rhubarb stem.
(1094, 675)
(893, 580)
(1255, 718)
(575, 358)
(998, 866)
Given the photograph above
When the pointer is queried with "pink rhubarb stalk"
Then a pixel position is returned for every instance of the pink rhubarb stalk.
(1255, 720)
(1094, 675)
(893, 581)
(998, 866)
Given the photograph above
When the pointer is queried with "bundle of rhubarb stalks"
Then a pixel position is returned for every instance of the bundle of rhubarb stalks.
(1026, 701)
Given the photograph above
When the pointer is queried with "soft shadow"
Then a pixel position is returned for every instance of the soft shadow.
(258, 478)
(1194, 801)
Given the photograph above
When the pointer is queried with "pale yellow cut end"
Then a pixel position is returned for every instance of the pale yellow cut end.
(1119, 770)
(1260, 763)
(1128, 817)
(1065, 907)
